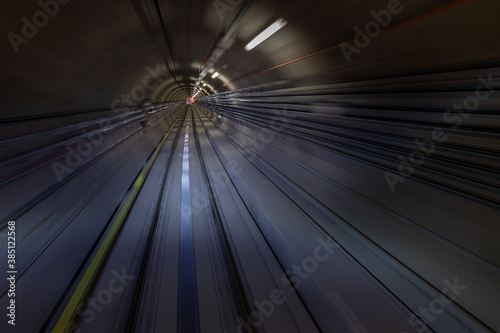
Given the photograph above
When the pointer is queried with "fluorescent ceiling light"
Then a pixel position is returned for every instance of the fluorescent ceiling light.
(273, 28)
(204, 84)
(215, 75)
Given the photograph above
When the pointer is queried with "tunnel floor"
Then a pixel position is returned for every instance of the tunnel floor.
(202, 229)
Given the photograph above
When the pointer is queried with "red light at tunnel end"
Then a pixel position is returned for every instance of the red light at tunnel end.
(192, 100)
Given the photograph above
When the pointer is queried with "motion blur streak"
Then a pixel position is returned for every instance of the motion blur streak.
(457, 3)
(342, 176)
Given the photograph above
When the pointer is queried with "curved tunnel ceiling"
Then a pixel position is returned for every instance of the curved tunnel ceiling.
(91, 53)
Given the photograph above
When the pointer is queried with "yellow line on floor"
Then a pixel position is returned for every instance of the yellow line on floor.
(92, 272)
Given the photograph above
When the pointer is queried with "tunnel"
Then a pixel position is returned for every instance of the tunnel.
(240, 166)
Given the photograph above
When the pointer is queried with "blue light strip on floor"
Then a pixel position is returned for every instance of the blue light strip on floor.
(188, 295)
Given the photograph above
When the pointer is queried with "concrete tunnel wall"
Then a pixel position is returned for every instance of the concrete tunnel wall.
(341, 109)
